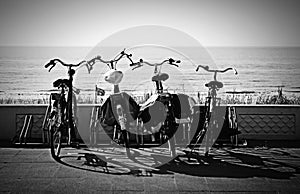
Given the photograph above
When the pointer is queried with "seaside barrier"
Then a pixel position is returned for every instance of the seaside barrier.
(256, 122)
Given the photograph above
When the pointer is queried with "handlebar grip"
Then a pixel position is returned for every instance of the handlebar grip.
(49, 63)
(134, 64)
(204, 67)
(172, 62)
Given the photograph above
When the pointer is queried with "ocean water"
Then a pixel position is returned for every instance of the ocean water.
(261, 70)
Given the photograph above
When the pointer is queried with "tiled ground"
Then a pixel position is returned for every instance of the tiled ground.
(239, 170)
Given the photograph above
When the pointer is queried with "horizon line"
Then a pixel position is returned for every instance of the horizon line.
(217, 46)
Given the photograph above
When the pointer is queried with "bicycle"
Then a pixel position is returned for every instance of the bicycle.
(116, 110)
(161, 105)
(61, 114)
(211, 103)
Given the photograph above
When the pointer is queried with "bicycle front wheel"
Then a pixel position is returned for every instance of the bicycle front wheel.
(55, 141)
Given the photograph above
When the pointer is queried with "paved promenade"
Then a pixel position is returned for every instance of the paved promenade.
(239, 170)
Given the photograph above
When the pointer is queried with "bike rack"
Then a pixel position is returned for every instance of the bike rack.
(23, 135)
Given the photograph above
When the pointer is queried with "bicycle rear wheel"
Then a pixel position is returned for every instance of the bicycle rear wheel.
(55, 141)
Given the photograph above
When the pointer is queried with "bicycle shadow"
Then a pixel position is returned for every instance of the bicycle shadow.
(232, 165)
(229, 164)
(114, 164)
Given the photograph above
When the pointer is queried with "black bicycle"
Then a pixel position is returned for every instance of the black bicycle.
(211, 103)
(158, 114)
(61, 112)
(119, 109)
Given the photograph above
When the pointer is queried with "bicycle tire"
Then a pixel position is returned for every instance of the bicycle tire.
(72, 122)
(124, 134)
(55, 141)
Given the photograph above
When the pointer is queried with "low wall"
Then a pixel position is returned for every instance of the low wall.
(13, 117)
(269, 122)
(259, 122)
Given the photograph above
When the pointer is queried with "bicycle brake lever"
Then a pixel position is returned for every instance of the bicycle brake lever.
(51, 67)
(137, 66)
(235, 71)
(49, 64)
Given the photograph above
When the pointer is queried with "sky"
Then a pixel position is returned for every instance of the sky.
(211, 22)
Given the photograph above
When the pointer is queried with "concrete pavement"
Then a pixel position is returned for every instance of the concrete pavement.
(239, 170)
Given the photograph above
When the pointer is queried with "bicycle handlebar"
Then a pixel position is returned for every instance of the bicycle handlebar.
(219, 71)
(53, 62)
(206, 68)
(111, 63)
(171, 61)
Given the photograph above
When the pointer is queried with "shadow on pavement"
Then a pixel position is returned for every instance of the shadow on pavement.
(114, 163)
(233, 165)
(229, 163)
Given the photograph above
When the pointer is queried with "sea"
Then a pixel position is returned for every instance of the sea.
(260, 71)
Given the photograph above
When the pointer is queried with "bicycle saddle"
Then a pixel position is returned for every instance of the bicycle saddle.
(216, 84)
(59, 82)
(160, 77)
(113, 76)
